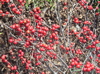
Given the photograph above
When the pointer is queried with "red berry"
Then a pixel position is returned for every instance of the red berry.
(1, 11)
(90, 7)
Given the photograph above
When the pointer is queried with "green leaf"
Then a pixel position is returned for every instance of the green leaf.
(1, 33)
(97, 0)
(98, 10)
(49, 0)
(78, 70)
(26, 5)
(98, 45)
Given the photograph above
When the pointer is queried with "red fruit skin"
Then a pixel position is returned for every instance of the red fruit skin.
(88, 69)
(90, 7)
(98, 2)
(78, 66)
(1, 11)
(73, 63)
(84, 69)
(43, 73)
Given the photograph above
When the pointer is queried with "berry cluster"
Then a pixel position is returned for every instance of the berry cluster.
(75, 62)
(88, 67)
(41, 42)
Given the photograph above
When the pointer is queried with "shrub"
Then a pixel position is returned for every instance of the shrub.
(63, 38)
